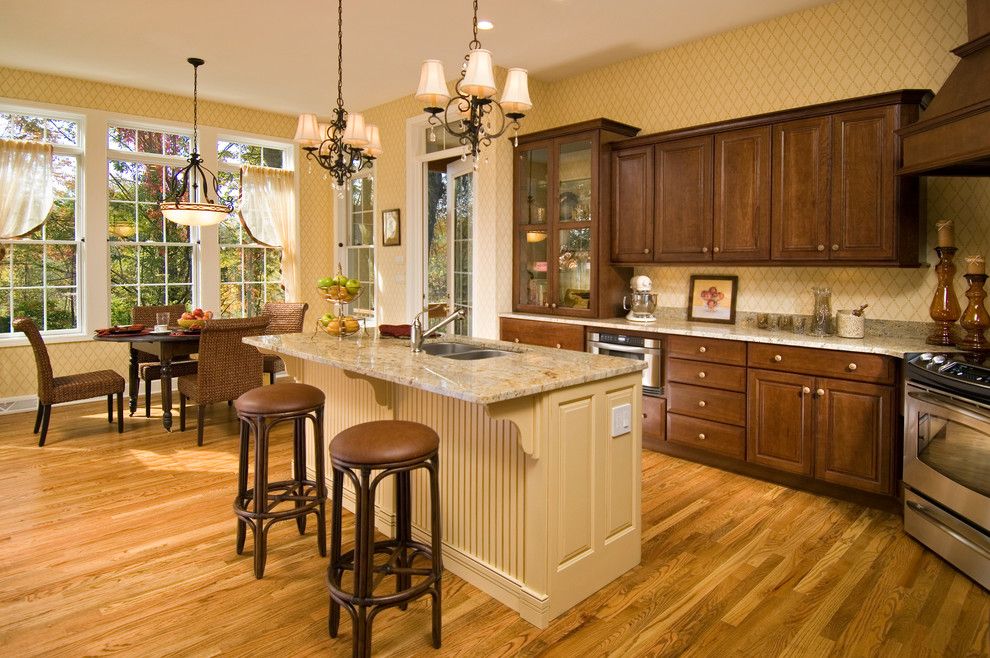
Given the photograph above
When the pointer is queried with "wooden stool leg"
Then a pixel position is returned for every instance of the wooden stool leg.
(321, 484)
(435, 592)
(120, 413)
(403, 532)
(260, 495)
(299, 468)
(364, 550)
(336, 507)
(110, 408)
(242, 479)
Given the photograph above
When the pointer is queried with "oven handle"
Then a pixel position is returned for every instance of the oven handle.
(934, 515)
(626, 348)
(950, 408)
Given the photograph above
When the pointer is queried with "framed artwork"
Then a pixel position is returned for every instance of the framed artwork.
(391, 228)
(712, 298)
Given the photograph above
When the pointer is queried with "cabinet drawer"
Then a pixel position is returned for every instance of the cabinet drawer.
(707, 403)
(714, 375)
(546, 334)
(707, 435)
(731, 352)
(825, 363)
(654, 422)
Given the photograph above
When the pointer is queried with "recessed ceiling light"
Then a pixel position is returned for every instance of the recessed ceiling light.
(485, 25)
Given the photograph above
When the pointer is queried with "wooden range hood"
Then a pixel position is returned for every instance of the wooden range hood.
(952, 138)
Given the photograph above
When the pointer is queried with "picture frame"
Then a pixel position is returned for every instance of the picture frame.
(712, 298)
(391, 228)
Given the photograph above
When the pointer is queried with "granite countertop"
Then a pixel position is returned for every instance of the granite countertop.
(889, 345)
(524, 370)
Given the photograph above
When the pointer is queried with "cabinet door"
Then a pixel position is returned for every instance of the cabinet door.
(781, 421)
(632, 205)
(800, 209)
(854, 424)
(654, 422)
(533, 205)
(682, 229)
(863, 221)
(574, 277)
(742, 195)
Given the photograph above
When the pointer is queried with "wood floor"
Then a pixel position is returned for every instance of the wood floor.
(124, 544)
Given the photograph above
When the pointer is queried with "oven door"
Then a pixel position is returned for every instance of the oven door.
(947, 452)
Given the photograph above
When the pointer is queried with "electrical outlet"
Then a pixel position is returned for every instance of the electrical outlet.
(621, 419)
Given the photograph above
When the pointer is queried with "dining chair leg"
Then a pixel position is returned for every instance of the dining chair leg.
(110, 408)
(271, 378)
(147, 398)
(37, 418)
(182, 412)
(44, 424)
(120, 413)
(200, 417)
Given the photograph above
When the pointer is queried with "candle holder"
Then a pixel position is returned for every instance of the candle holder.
(975, 319)
(944, 308)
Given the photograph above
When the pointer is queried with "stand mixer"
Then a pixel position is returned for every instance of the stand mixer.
(643, 300)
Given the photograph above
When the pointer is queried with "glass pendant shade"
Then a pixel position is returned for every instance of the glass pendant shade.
(194, 214)
(535, 236)
(374, 145)
(515, 99)
(432, 89)
(479, 79)
(355, 134)
(307, 131)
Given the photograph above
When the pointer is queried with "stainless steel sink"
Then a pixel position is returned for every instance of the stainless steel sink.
(474, 355)
(444, 349)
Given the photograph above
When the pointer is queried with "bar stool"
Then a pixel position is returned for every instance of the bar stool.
(391, 447)
(261, 409)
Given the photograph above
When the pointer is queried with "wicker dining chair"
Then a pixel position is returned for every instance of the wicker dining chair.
(227, 367)
(55, 390)
(285, 318)
(149, 368)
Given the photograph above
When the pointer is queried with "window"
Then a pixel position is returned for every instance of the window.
(250, 273)
(39, 274)
(448, 269)
(151, 260)
(359, 245)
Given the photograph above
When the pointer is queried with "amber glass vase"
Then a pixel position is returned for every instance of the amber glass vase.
(975, 319)
(945, 305)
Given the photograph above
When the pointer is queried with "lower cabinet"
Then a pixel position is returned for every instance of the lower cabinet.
(546, 334)
(781, 421)
(654, 423)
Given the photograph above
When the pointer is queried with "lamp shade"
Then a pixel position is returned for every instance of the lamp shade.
(374, 146)
(194, 214)
(515, 99)
(307, 131)
(479, 79)
(432, 89)
(355, 133)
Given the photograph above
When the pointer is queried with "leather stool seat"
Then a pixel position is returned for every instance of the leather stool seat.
(279, 399)
(384, 442)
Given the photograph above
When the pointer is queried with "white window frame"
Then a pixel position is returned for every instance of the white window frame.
(342, 228)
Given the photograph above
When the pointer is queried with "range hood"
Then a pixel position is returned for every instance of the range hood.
(952, 137)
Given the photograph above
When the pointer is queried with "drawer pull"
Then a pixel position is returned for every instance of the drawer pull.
(704, 250)
(702, 403)
(778, 358)
(821, 247)
(702, 349)
(516, 340)
(558, 346)
(701, 375)
(805, 390)
(820, 392)
(852, 367)
(835, 247)
(702, 437)
(554, 305)
(716, 250)
(646, 251)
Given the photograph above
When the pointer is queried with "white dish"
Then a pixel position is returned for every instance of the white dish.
(160, 332)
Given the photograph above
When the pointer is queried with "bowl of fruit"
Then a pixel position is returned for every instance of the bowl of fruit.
(339, 325)
(339, 288)
(195, 319)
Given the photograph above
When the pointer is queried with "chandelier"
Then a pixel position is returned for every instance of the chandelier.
(346, 145)
(481, 117)
(192, 180)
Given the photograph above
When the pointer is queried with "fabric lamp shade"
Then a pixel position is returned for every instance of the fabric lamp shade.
(355, 133)
(515, 99)
(432, 89)
(479, 79)
(194, 214)
(374, 145)
(307, 131)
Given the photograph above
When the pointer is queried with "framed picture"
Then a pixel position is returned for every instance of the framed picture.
(712, 298)
(391, 228)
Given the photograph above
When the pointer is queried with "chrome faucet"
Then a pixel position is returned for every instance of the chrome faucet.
(417, 334)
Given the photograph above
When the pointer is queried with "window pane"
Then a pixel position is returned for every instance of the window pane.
(254, 264)
(150, 223)
(121, 221)
(122, 300)
(122, 139)
(180, 295)
(151, 295)
(152, 264)
(177, 144)
(230, 264)
(230, 300)
(62, 131)
(5, 320)
(273, 265)
(61, 264)
(29, 303)
(61, 222)
(272, 157)
(5, 268)
(61, 308)
(254, 298)
(120, 180)
(123, 264)
(180, 264)
(27, 270)
(64, 168)
(250, 154)
(149, 142)
(230, 231)
(16, 126)
(176, 232)
(150, 184)
(275, 293)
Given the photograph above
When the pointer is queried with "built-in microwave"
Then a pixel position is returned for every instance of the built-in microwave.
(633, 347)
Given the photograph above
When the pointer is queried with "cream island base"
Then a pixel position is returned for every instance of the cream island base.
(540, 502)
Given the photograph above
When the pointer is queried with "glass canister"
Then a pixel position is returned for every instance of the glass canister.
(821, 317)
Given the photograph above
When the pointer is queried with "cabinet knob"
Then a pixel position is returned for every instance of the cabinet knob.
(645, 416)
(702, 437)
(835, 247)
(557, 346)
(716, 250)
(646, 251)
(820, 392)
(852, 367)
(702, 403)
(821, 247)
(805, 390)
(702, 349)
(701, 375)
(515, 340)
(778, 358)
(553, 305)
(704, 250)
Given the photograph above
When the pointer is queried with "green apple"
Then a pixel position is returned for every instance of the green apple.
(325, 282)
(340, 280)
(353, 286)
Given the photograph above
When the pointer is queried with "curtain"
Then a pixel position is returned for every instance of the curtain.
(26, 187)
(268, 214)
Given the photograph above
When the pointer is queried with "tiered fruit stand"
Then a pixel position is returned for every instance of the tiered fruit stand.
(340, 296)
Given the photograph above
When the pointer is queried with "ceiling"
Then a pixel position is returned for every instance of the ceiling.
(281, 56)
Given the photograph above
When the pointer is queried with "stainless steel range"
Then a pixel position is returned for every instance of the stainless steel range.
(947, 459)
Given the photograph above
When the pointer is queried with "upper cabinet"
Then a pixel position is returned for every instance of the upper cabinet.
(560, 217)
(815, 185)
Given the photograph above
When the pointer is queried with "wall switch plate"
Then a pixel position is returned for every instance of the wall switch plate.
(621, 419)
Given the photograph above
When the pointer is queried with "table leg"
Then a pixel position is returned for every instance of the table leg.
(167, 390)
(133, 380)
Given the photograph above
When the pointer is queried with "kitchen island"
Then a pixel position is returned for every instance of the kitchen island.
(540, 494)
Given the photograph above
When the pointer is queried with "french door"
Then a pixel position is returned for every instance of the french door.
(448, 267)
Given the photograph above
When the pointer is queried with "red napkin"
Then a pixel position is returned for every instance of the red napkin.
(395, 330)
(121, 329)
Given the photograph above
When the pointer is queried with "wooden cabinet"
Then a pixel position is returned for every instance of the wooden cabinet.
(781, 422)
(545, 334)
(561, 210)
(801, 189)
(682, 227)
(654, 422)
(632, 205)
(741, 223)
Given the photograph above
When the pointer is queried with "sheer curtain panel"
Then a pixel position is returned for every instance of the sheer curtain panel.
(268, 214)
(26, 187)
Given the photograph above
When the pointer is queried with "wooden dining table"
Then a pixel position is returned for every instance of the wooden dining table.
(167, 347)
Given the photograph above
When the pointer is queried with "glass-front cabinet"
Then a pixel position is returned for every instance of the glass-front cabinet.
(558, 228)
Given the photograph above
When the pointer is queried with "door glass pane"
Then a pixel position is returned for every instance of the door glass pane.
(574, 268)
(532, 195)
(533, 268)
(437, 253)
(957, 451)
(463, 230)
(574, 182)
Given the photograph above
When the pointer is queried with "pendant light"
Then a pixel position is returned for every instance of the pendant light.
(199, 209)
